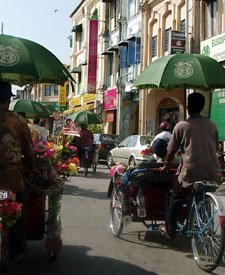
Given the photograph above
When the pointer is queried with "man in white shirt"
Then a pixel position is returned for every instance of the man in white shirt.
(43, 132)
(162, 139)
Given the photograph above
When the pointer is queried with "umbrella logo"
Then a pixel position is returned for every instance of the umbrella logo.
(8, 56)
(183, 70)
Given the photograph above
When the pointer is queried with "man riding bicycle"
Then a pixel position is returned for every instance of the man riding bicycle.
(197, 138)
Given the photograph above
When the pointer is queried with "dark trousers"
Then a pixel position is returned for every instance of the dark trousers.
(17, 234)
(179, 194)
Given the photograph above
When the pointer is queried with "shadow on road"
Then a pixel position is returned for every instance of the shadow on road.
(153, 239)
(90, 193)
(74, 260)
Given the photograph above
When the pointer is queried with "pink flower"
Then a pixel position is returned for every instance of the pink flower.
(112, 171)
(120, 169)
(73, 148)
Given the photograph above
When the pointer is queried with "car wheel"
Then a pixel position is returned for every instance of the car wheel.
(110, 160)
(132, 162)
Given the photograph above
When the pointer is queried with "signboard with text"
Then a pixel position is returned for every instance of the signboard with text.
(92, 56)
(217, 111)
(176, 42)
(214, 47)
(62, 95)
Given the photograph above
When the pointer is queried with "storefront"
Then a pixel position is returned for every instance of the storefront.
(215, 48)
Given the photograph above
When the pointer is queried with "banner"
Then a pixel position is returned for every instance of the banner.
(62, 95)
(92, 56)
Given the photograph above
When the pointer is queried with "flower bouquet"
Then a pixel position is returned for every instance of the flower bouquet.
(45, 158)
(117, 173)
(10, 211)
(67, 163)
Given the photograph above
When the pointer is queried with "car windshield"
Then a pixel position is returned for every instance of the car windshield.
(145, 140)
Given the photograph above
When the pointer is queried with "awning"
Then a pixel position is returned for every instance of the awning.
(107, 53)
(123, 43)
(83, 63)
(76, 70)
(77, 28)
(113, 48)
(134, 36)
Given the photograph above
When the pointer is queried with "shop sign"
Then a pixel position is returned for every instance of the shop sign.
(109, 99)
(86, 107)
(75, 101)
(62, 95)
(214, 47)
(177, 42)
(217, 111)
(110, 116)
(87, 98)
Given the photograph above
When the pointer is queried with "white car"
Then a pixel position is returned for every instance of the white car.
(133, 150)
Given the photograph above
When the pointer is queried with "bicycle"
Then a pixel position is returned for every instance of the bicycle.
(88, 158)
(205, 225)
(203, 222)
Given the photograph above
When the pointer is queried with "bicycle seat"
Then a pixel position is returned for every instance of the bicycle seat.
(205, 185)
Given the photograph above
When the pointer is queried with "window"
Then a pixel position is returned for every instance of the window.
(125, 142)
(79, 38)
(182, 25)
(154, 46)
(210, 18)
(130, 54)
(133, 141)
(133, 7)
(51, 90)
(166, 41)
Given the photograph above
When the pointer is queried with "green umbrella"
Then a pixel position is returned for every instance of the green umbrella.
(32, 109)
(49, 108)
(182, 71)
(85, 117)
(25, 62)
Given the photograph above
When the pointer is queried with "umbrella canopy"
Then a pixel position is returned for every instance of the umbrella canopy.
(85, 117)
(32, 109)
(182, 71)
(49, 108)
(25, 62)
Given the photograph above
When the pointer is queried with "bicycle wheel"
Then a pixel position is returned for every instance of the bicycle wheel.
(116, 213)
(208, 238)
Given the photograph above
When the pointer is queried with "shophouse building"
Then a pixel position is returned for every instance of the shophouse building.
(131, 35)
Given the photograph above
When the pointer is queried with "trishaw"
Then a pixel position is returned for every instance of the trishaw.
(202, 216)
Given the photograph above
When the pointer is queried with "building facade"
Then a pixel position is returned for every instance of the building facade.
(131, 35)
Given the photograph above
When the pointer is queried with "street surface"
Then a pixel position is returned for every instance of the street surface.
(89, 248)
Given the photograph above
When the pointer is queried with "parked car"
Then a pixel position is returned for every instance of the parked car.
(133, 150)
(103, 144)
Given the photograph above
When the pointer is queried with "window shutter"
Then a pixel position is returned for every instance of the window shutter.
(123, 57)
(138, 50)
(131, 52)
(154, 46)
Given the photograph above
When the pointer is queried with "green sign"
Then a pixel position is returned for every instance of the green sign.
(217, 111)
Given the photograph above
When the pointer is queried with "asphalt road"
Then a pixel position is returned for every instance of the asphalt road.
(89, 248)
